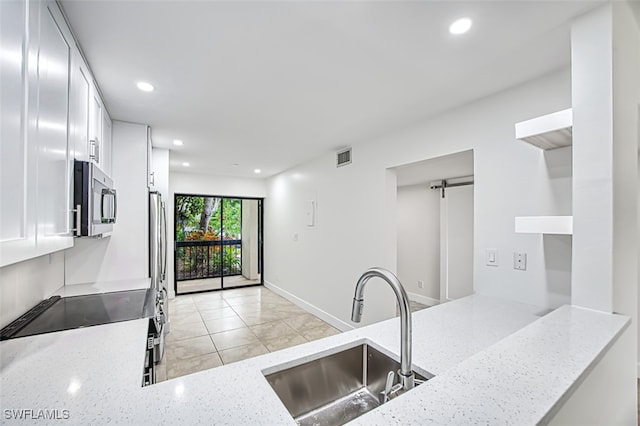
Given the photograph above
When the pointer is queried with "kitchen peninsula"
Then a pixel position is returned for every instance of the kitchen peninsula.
(495, 362)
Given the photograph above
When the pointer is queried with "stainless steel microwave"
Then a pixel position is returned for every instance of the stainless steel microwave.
(95, 200)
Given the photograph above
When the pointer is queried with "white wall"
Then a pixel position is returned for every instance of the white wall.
(124, 254)
(418, 212)
(354, 231)
(23, 285)
(191, 183)
(196, 184)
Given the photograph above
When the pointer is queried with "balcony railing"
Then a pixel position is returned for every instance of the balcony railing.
(208, 259)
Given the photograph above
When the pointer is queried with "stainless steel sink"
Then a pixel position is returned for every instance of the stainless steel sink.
(336, 388)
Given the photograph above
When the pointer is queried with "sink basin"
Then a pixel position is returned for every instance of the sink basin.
(336, 388)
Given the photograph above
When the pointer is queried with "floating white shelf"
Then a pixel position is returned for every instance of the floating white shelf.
(549, 131)
(544, 225)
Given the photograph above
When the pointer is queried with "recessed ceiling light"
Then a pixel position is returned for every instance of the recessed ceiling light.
(185, 164)
(178, 142)
(257, 171)
(460, 26)
(144, 86)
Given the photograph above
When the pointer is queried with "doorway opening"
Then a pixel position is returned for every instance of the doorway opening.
(435, 227)
(218, 242)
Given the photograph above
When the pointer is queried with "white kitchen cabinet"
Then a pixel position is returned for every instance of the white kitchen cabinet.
(17, 197)
(95, 125)
(90, 124)
(36, 163)
(79, 98)
(54, 162)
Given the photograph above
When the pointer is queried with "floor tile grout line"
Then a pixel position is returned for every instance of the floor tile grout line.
(264, 302)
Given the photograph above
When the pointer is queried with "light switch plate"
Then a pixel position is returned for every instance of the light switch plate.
(311, 213)
(492, 257)
(520, 261)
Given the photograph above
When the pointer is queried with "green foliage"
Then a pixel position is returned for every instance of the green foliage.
(232, 221)
(189, 210)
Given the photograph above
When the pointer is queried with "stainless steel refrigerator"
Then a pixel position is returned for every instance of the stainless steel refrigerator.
(158, 270)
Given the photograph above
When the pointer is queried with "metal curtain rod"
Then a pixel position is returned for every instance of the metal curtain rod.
(442, 184)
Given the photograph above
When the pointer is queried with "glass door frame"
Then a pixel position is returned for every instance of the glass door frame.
(260, 226)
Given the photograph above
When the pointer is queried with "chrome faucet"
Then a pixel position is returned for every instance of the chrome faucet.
(407, 379)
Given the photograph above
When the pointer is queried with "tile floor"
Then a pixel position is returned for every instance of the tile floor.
(216, 328)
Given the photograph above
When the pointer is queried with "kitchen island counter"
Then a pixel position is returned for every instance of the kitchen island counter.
(494, 362)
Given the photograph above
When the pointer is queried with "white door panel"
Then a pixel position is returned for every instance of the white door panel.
(13, 103)
(53, 175)
(456, 237)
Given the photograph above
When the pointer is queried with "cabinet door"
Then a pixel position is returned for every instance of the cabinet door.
(95, 125)
(79, 98)
(54, 171)
(17, 227)
(105, 162)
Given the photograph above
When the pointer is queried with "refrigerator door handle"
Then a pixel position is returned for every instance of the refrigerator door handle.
(163, 242)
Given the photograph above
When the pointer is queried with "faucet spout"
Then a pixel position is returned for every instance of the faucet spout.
(406, 373)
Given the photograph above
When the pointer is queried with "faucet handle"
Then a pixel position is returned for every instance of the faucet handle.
(384, 395)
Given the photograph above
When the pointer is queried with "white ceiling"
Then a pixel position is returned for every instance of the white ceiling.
(269, 84)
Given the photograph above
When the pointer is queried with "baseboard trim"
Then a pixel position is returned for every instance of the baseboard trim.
(323, 315)
(422, 299)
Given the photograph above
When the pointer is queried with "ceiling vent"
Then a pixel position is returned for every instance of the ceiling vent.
(343, 157)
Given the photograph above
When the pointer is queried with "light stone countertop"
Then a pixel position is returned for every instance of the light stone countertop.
(103, 287)
(492, 360)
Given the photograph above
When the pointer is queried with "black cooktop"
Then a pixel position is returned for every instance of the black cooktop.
(65, 313)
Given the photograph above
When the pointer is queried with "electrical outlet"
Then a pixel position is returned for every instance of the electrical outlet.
(420, 284)
(520, 261)
(492, 257)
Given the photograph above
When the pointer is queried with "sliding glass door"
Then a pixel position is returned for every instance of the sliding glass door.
(218, 242)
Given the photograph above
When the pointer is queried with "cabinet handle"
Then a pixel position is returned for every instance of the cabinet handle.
(78, 212)
(152, 181)
(92, 150)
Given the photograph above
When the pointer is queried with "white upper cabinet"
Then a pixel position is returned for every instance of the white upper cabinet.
(90, 124)
(36, 163)
(80, 96)
(99, 146)
(17, 227)
(95, 125)
(52, 113)
(54, 162)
